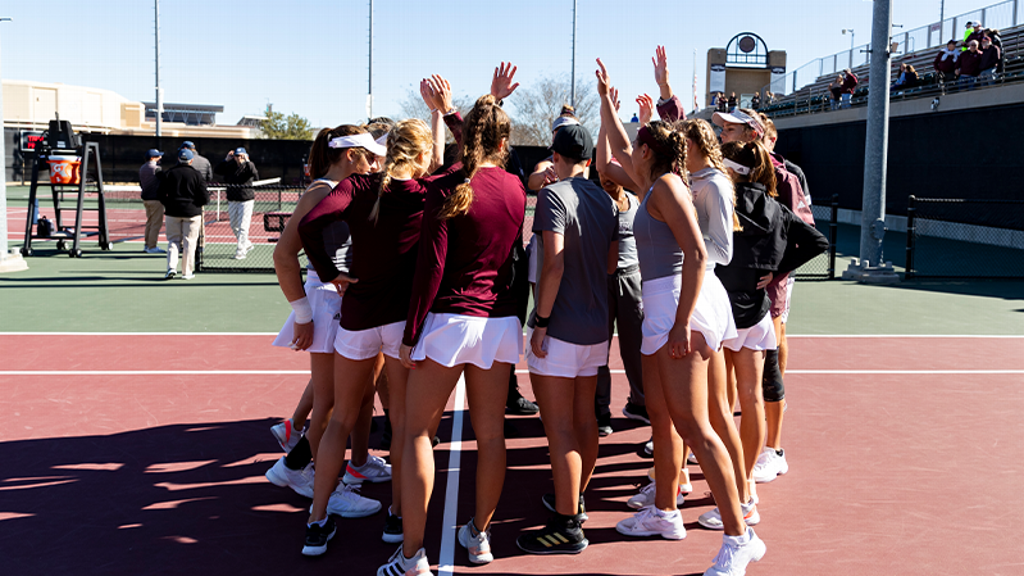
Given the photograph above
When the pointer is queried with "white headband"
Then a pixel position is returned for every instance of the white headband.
(383, 140)
(736, 167)
(364, 140)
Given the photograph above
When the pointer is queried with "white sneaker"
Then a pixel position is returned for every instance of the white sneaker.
(250, 248)
(733, 557)
(189, 276)
(770, 464)
(692, 459)
(346, 502)
(286, 435)
(650, 521)
(712, 520)
(645, 497)
(477, 543)
(239, 256)
(169, 275)
(301, 481)
(399, 565)
(375, 470)
(649, 447)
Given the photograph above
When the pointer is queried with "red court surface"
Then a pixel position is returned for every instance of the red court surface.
(906, 457)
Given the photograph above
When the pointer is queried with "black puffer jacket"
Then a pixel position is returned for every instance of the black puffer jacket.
(182, 192)
(239, 178)
(774, 240)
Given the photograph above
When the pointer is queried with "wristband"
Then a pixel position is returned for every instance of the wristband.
(303, 311)
(540, 321)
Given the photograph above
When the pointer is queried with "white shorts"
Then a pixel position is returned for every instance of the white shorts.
(712, 317)
(453, 339)
(326, 304)
(565, 359)
(789, 298)
(760, 336)
(365, 344)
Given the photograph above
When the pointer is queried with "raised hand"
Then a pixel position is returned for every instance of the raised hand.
(501, 83)
(603, 82)
(443, 91)
(646, 104)
(660, 61)
(428, 94)
(614, 93)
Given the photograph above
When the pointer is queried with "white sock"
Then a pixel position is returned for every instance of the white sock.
(320, 523)
(740, 540)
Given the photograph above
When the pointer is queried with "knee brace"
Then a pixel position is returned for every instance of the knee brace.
(771, 382)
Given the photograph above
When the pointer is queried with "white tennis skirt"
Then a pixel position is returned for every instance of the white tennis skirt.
(712, 317)
(366, 344)
(565, 359)
(453, 339)
(760, 336)
(326, 304)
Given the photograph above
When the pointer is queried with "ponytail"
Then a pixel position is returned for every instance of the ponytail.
(322, 156)
(486, 126)
(755, 156)
(703, 137)
(406, 141)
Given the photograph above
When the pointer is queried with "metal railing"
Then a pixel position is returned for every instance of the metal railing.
(1002, 15)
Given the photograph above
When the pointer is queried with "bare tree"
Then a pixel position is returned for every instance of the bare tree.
(537, 105)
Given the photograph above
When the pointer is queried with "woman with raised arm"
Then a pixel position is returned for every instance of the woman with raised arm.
(383, 212)
(686, 316)
(462, 321)
(312, 324)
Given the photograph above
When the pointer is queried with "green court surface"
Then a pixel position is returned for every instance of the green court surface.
(123, 290)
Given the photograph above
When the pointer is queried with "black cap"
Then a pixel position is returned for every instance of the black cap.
(573, 142)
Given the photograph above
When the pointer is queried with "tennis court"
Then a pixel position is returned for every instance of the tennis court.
(136, 415)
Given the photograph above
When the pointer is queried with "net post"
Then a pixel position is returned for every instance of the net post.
(911, 233)
(833, 235)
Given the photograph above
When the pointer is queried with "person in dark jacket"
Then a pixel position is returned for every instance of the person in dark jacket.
(183, 194)
(836, 90)
(848, 88)
(775, 241)
(968, 66)
(199, 162)
(990, 58)
(149, 180)
(239, 173)
(945, 61)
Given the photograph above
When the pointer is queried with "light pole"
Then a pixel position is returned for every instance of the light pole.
(159, 91)
(572, 86)
(369, 74)
(850, 30)
(8, 262)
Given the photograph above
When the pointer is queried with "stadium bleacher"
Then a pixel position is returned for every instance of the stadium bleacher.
(814, 97)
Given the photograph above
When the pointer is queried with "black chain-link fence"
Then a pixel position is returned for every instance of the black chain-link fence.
(221, 251)
(965, 238)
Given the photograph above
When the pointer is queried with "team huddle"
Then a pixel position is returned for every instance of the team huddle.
(418, 275)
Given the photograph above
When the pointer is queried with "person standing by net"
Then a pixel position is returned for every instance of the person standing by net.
(149, 179)
(183, 194)
(239, 173)
(199, 162)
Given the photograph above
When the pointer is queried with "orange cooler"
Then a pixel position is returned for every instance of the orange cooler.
(65, 169)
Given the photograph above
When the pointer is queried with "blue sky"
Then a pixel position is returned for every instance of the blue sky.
(310, 56)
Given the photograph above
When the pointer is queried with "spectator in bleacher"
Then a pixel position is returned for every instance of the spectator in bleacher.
(968, 32)
(755, 101)
(907, 79)
(976, 34)
(997, 41)
(239, 174)
(183, 194)
(199, 162)
(722, 104)
(733, 102)
(836, 90)
(771, 98)
(149, 179)
(848, 88)
(945, 62)
(968, 66)
(991, 55)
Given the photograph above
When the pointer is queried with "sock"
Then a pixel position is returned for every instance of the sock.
(740, 540)
(663, 514)
(390, 513)
(320, 523)
(300, 456)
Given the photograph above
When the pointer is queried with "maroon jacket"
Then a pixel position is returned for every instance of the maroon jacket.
(849, 83)
(465, 263)
(947, 66)
(671, 110)
(969, 63)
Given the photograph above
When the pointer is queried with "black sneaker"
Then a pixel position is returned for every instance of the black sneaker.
(581, 512)
(393, 533)
(317, 537)
(519, 406)
(604, 425)
(562, 535)
(636, 412)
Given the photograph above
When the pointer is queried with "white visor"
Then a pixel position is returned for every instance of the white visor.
(364, 140)
(736, 167)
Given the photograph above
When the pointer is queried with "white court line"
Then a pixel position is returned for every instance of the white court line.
(446, 560)
(303, 372)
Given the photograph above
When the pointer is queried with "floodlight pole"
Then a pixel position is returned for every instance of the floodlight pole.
(572, 88)
(369, 75)
(159, 92)
(8, 262)
(871, 267)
